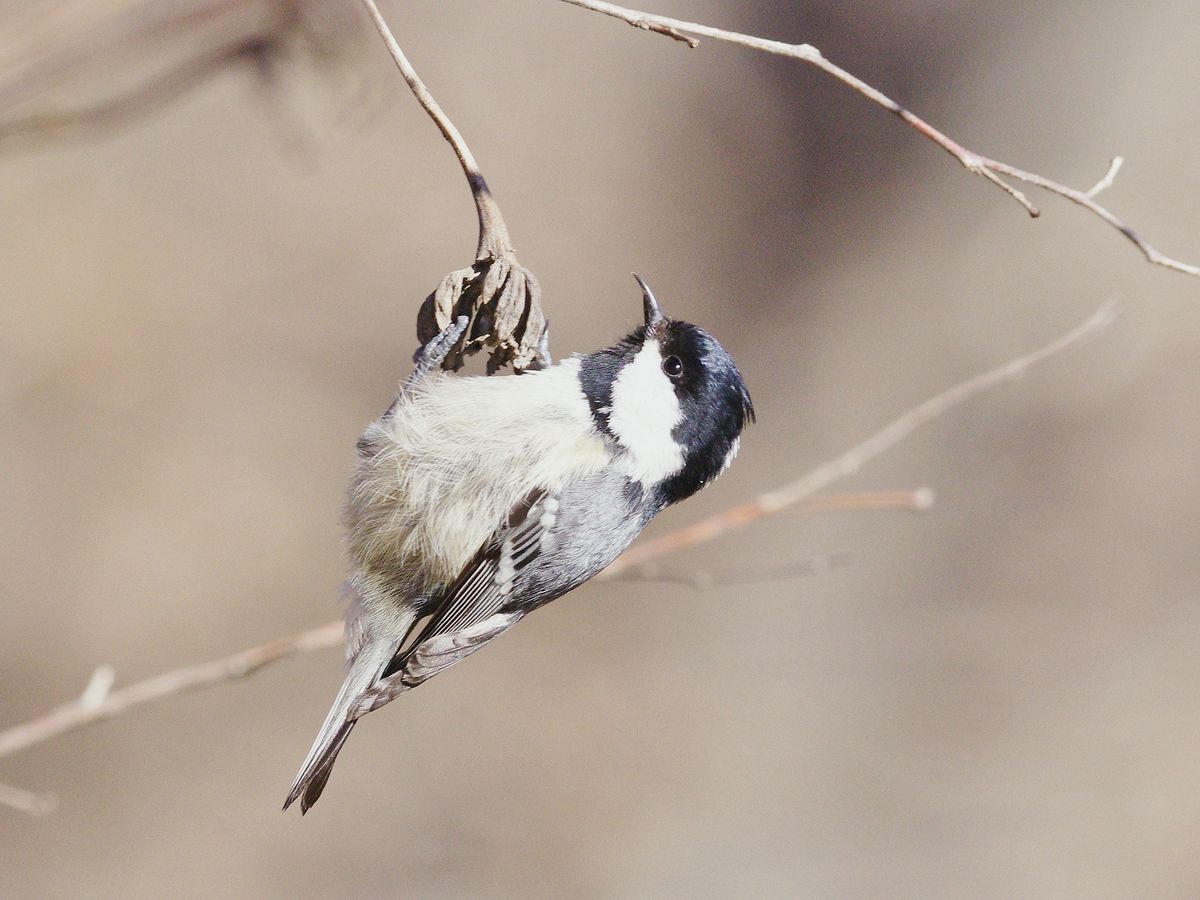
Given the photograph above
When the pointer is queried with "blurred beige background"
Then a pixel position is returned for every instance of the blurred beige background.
(994, 699)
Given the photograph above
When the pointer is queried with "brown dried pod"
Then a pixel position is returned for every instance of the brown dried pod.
(501, 299)
(502, 302)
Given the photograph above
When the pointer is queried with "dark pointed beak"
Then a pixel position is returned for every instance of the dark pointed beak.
(649, 304)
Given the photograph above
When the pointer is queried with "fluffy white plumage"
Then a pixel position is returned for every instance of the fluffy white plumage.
(445, 466)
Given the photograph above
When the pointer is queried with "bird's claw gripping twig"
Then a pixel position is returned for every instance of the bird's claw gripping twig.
(434, 352)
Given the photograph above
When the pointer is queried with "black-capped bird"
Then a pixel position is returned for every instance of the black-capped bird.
(479, 499)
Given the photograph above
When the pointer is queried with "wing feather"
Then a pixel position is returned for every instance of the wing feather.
(485, 585)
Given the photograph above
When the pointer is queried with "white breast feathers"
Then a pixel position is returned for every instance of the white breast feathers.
(452, 459)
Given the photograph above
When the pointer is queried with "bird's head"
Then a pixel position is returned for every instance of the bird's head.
(670, 396)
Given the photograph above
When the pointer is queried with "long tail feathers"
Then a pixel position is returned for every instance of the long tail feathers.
(314, 773)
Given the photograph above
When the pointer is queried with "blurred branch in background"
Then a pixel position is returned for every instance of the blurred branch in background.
(26, 801)
(129, 58)
(702, 579)
(973, 162)
(99, 702)
(139, 100)
(96, 705)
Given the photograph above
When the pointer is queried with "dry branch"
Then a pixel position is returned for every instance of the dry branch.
(795, 492)
(150, 53)
(501, 298)
(94, 706)
(98, 702)
(973, 162)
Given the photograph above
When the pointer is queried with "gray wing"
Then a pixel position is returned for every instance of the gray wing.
(474, 610)
(486, 585)
(550, 543)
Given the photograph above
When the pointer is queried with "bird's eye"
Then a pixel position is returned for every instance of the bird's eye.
(673, 367)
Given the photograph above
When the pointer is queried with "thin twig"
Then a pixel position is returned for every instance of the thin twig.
(501, 298)
(1106, 182)
(85, 710)
(493, 233)
(975, 163)
(705, 579)
(774, 502)
(1082, 199)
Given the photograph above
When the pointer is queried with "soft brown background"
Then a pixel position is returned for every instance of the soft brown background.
(995, 699)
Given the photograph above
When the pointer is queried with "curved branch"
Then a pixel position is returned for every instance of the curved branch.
(143, 99)
(975, 163)
(501, 298)
(494, 241)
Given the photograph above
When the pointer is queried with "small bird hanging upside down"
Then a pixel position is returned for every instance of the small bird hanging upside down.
(478, 499)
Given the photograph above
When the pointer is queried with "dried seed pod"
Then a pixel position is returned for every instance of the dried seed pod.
(502, 302)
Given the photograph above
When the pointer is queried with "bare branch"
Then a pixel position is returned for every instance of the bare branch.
(1082, 199)
(493, 233)
(86, 709)
(705, 579)
(793, 493)
(1106, 182)
(497, 291)
(975, 163)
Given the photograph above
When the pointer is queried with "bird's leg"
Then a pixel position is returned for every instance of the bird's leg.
(427, 358)
(435, 352)
(543, 360)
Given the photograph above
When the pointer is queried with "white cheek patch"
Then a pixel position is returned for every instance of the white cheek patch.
(644, 413)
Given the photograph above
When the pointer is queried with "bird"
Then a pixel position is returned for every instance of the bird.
(478, 499)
